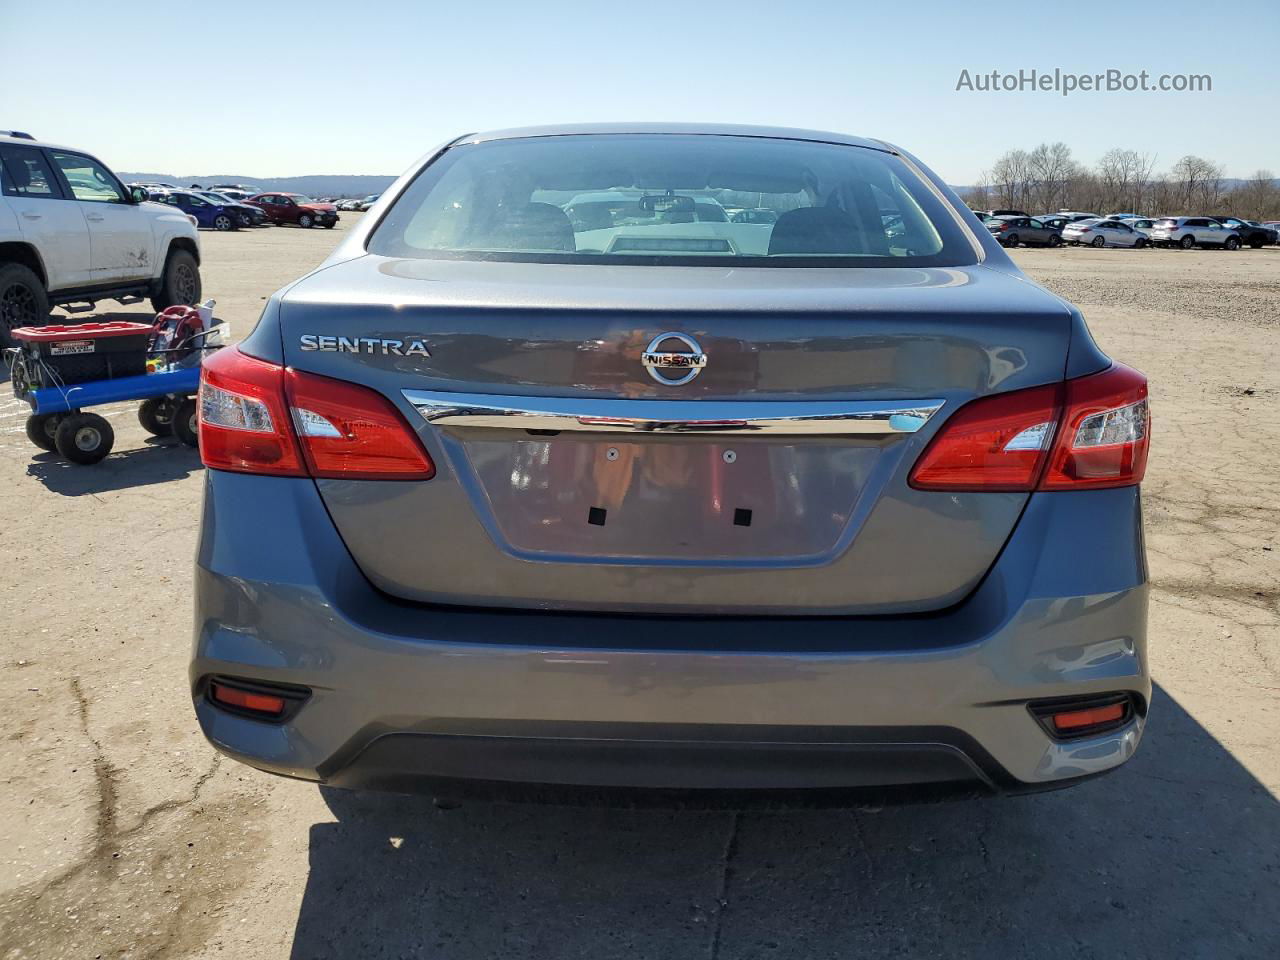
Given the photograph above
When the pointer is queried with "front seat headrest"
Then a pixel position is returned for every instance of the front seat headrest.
(815, 230)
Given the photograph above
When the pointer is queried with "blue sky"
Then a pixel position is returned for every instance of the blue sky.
(282, 88)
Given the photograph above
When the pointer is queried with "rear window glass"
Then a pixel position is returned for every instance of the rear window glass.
(672, 200)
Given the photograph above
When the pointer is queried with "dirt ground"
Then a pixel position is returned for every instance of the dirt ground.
(122, 834)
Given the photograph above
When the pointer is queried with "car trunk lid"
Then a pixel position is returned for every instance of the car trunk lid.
(572, 476)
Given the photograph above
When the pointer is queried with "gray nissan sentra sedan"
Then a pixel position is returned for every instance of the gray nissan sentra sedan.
(557, 473)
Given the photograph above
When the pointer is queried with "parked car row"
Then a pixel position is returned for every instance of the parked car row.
(232, 208)
(1077, 228)
(358, 205)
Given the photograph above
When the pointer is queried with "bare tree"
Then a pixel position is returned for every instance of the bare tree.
(1010, 180)
(1050, 170)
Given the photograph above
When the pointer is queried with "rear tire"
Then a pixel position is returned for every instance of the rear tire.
(1232, 243)
(1055, 240)
(1098, 242)
(84, 438)
(180, 282)
(23, 300)
(185, 425)
(1187, 242)
(156, 417)
(41, 429)
(1011, 241)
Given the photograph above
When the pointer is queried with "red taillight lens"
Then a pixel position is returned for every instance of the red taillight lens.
(244, 425)
(1105, 432)
(258, 417)
(351, 431)
(995, 443)
(1089, 432)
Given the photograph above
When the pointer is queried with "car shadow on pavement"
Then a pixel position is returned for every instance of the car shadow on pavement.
(1176, 855)
(158, 461)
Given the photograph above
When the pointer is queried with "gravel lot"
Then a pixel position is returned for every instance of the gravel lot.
(123, 835)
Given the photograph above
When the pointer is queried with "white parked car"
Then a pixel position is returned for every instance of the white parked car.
(71, 232)
(1188, 232)
(1142, 225)
(1102, 233)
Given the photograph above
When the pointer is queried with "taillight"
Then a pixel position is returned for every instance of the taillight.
(994, 443)
(347, 430)
(1085, 433)
(244, 425)
(259, 417)
(1105, 431)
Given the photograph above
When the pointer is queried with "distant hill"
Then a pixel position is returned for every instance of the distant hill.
(321, 185)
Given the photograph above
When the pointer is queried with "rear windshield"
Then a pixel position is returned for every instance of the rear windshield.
(672, 200)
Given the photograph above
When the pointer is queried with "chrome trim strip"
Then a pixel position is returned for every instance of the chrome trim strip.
(587, 415)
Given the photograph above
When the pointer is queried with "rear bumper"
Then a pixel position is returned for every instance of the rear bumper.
(404, 694)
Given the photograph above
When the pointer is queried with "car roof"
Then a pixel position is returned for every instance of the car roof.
(24, 142)
(687, 129)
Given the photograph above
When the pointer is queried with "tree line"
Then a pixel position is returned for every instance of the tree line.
(1049, 178)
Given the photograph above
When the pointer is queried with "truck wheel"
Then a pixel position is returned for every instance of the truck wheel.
(84, 438)
(23, 301)
(156, 417)
(180, 282)
(185, 424)
(41, 429)
(1187, 242)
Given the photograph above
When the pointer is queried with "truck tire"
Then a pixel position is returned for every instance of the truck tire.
(180, 282)
(23, 300)
(84, 438)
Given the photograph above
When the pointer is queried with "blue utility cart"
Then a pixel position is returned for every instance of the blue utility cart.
(62, 369)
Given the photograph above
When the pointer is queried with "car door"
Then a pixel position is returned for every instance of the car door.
(199, 208)
(271, 203)
(1121, 234)
(121, 242)
(47, 220)
(1037, 231)
(288, 210)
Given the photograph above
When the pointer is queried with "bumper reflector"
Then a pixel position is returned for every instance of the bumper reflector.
(244, 700)
(256, 700)
(1073, 720)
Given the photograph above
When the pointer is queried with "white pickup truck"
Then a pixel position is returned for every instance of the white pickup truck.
(71, 233)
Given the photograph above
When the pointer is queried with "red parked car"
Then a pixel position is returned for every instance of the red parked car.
(282, 208)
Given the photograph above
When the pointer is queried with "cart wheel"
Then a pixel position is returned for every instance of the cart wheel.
(156, 417)
(185, 423)
(84, 438)
(41, 429)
